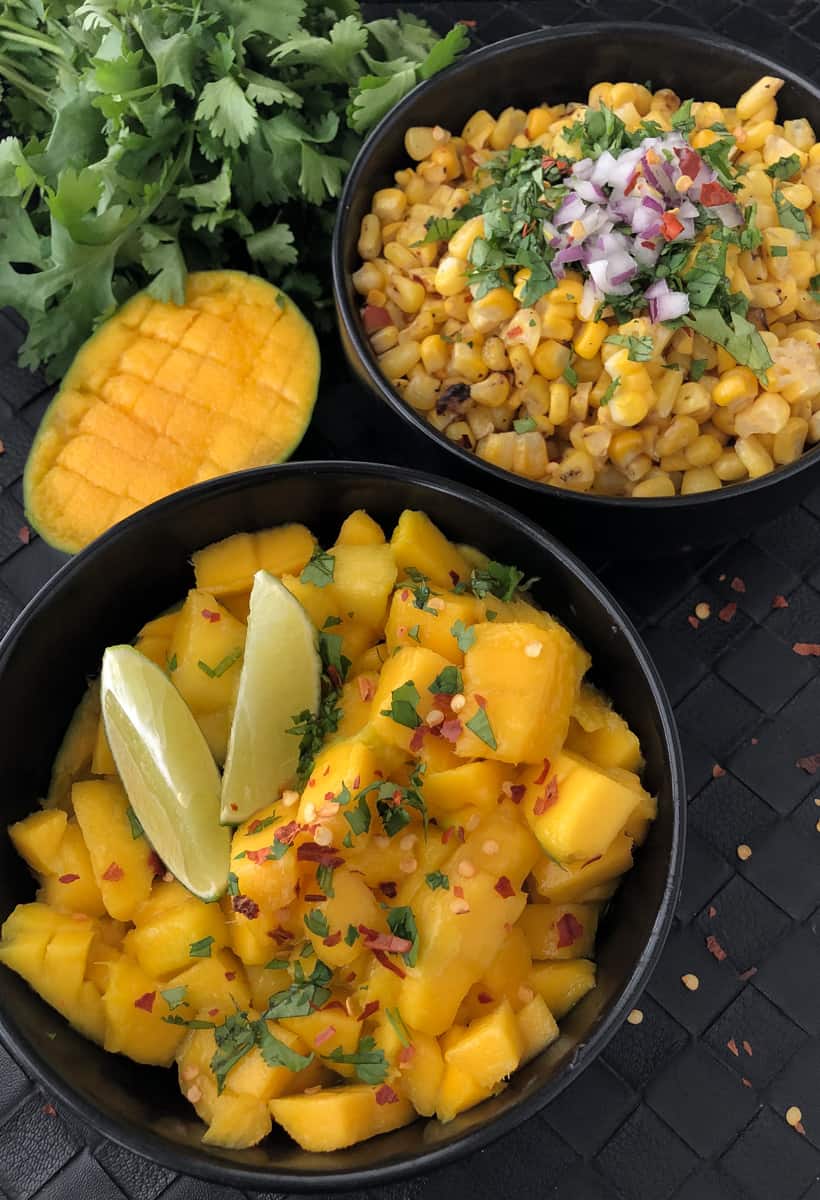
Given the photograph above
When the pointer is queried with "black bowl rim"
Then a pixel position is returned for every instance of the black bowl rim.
(349, 318)
(180, 1158)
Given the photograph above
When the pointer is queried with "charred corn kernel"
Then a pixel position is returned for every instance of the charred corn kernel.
(480, 422)
(521, 363)
(767, 414)
(665, 101)
(451, 276)
(461, 433)
(406, 293)
(491, 392)
(384, 338)
(628, 407)
(729, 468)
(535, 394)
(699, 479)
(456, 307)
(758, 96)
(754, 456)
(724, 420)
(367, 278)
(461, 243)
(389, 204)
(399, 256)
(706, 113)
(673, 463)
(579, 402)
(435, 353)
(693, 400)
(446, 159)
(576, 471)
(538, 121)
(370, 237)
(510, 123)
(595, 440)
(625, 446)
(790, 440)
(589, 338)
(491, 310)
(654, 487)
(495, 354)
(554, 326)
(466, 360)
(422, 391)
(398, 361)
(529, 455)
(476, 132)
(419, 142)
(498, 449)
(704, 451)
(667, 389)
(551, 359)
(737, 384)
(560, 393)
(680, 434)
(435, 306)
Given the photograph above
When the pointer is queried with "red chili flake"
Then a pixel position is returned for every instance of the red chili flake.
(417, 740)
(690, 162)
(381, 957)
(517, 791)
(388, 889)
(325, 1035)
(230, 976)
(737, 585)
(280, 935)
(407, 1054)
(454, 577)
(451, 730)
(334, 1003)
(780, 601)
(480, 700)
(718, 771)
(727, 612)
(405, 594)
(711, 911)
(330, 796)
(286, 833)
(212, 1012)
(732, 1045)
(2, 446)
(441, 701)
(807, 649)
(379, 774)
(484, 998)
(514, 332)
(368, 1010)
(255, 825)
(714, 947)
(386, 1095)
(525, 228)
(234, 807)
(458, 891)
(590, 861)
(332, 939)
(670, 226)
(48, 1109)
(68, 878)
(113, 872)
(633, 179)
(545, 770)
(746, 1082)
(211, 616)
(648, 245)
(375, 317)
(456, 831)
(713, 194)
(569, 930)
(243, 904)
(315, 897)
(747, 974)
(356, 782)
(146, 1002)
(311, 783)
(747, 1048)
(24, 534)
(258, 856)
(336, 679)
(373, 940)
(156, 864)
(504, 888)
(693, 621)
(809, 763)
(548, 797)
(755, 741)
(326, 856)
(367, 688)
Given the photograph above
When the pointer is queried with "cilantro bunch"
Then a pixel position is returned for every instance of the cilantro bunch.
(151, 137)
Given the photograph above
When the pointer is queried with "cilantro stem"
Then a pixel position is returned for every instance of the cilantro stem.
(37, 94)
(29, 39)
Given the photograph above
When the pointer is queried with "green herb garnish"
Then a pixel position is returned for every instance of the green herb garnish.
(481, 727)
(305, 994)
(639, 349)
(319, 569)
(369, 1061)
(437, 879)
(404, 705)
(316, 922)
(447, 682)
(202, 948)
(222, 666)
(784, 168)
(403, 924)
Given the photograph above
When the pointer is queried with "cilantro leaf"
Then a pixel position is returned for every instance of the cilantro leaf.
(682, 118)
(202, 948)
(441, 229)
(436, 879)
(481, 727)
(403, 705)
(814, 288)
(639, 349)
(403, 924)
(303, 996)
(276, 1053)
(464, 635)
(741, 338)
(369, 1061)
(359, 818)
(791, 217)
(225, 106)
(495, 579)
(320, 568)
(784, 168)
(316, 922)
(394, 1017)
(696, 369)
(612, 388)
(222, 666)
(134, 822)
(174, 997)
(234, 1039)
(447, 682)
(524, 425)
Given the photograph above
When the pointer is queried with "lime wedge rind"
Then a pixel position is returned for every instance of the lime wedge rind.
(280, 677)
(167, 770)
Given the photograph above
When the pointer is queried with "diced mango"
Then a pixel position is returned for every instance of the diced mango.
(71, 884)
(348, 764)
(598, 733)
(162, 940)
(477, 783)
(563, 984)
(352, 903)
(412, 664)
(490, 1048)
(422, 1072)
(458, 1092)
(134, 1014)
(537, 1027)
(206, 654)
(363, 577)
(37, 838)
(122, 863)
(429, 626)
(334, 1118)
(417, 542)
(269, 881)
(74, 755)
(560, 930)
(574, 880)
(230, 565)
(102, 760)
(218, 982)
(359, 529)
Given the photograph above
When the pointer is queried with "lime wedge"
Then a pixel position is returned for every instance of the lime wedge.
(281, 676)
(166, 768)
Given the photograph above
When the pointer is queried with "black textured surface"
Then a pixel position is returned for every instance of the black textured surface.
(690, 1103)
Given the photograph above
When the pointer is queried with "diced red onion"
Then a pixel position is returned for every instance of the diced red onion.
(589, 301)
(571, 209)
(651, 202)
(729, 214)
(669, 308)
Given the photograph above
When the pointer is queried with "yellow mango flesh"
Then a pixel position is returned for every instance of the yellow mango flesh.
(122, 863)
(412, 664)
(162, 940)
(422, 1074)
(600, 734)
(162, 397)
(418, 543)
(562, 984)
(363, 578)
(206, 638)
(77, 748)
(217, 982)
(230, 565)
(359, 529)
(430, 627)
(536, 1026)
(560, 930)
(574, 880)
(71, 884)
(271, 882)
(138, 1030)
(477, 783)
(334, 1118)
(37, 838)
(528, 698)
(352, 903)
(490, 1048)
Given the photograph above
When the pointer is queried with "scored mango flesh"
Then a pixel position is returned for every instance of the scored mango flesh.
(431, 900)
(164, 396)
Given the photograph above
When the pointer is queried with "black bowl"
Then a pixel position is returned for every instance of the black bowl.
(139, 568)
(560, 65)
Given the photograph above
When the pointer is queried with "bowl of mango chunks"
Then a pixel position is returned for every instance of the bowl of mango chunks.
(349, 833)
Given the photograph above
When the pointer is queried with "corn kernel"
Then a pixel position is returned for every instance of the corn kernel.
(737, 384)
(589, 339)
(699, 479)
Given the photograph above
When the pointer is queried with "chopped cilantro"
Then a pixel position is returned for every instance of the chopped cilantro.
(814, 288)
(437, 879)
(784, 168)
(222, 666)
(369, 1061)
(495, 579)
(403, 705)
(202, 948)
(319, 569)
(305, 994)
(174, 997)
(741, 338)
(639, 349)
(277, 964)
(276, 1053)
(778, 251)
(490, 614)
(524, 425)
(464, 635)
(351, 935)
(324, 878)
(447, 682)
(233, 884)
(413, 632)
(571, 375)
(171, 663)
(359, 818)
(481, 727)
(394, 1017)
(682, 118)
(610, 391)
(790, 215)
(331, 621)
(421, 592)
(134, 822)
(316, 922)
(696, 368)
(441, 229)
(403, 924)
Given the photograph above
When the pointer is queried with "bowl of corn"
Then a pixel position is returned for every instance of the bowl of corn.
(602, 296)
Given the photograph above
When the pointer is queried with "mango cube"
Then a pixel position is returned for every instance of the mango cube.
(490, 1048)
(334, 1118)
(575, 880)
(563, 984)
(560, 930)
